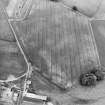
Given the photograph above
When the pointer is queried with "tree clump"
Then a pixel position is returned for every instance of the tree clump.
(91, 78)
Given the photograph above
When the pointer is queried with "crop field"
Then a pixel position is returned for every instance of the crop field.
(58, 42)
(61, 39)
